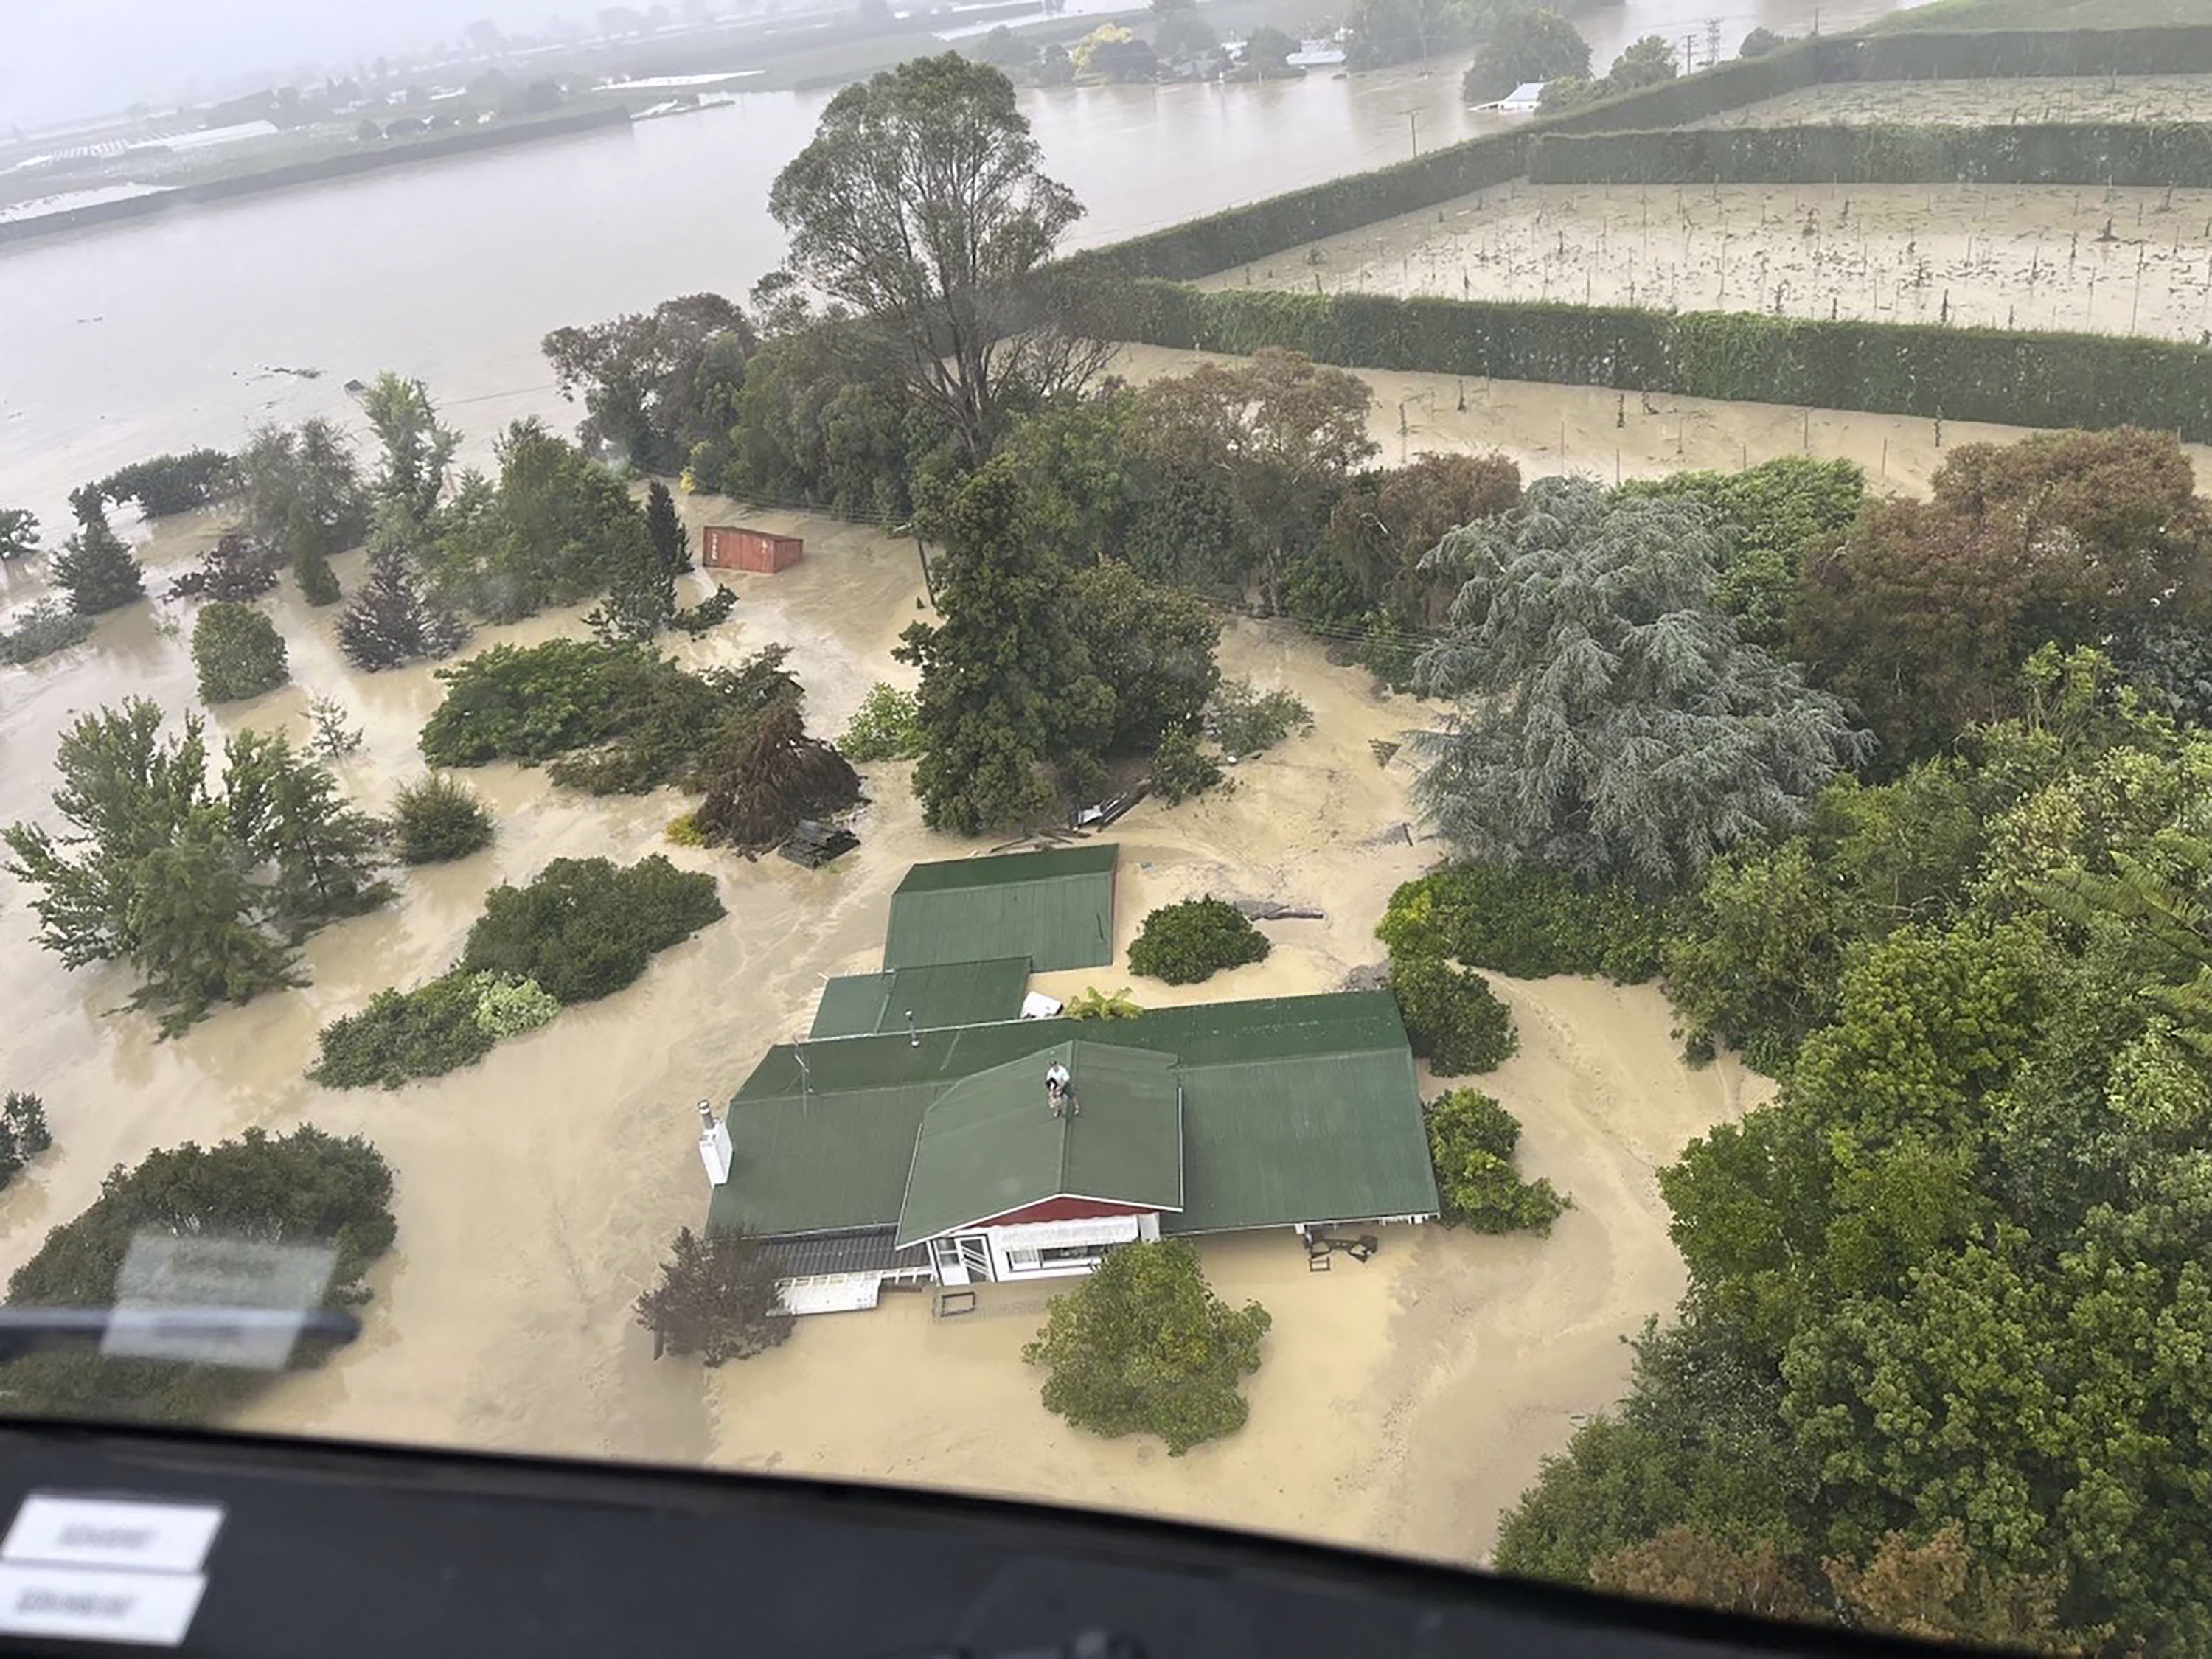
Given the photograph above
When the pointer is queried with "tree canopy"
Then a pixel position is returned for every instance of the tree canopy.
(1534, 44)
(655, 383)
(1611, 722)
(306, 1187)
(1143, 1346)
(203, 895)
(919, 204)
(717, 1298)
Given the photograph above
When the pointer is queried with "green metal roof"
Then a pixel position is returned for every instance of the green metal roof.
(944, 993)
(949, 875)
(1331, 1138)
(990, 1144)
(1294, 1109)
(1054, 908)
(819, 1161)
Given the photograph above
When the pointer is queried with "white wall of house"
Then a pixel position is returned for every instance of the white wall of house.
(1036, 1249)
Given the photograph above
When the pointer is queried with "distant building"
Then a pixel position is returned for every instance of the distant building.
(1524, 100)
(910, 1139)
(1317, 54)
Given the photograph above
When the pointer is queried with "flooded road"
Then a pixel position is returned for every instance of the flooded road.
(127, 341)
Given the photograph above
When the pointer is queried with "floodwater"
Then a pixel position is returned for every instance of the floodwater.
(1399, 1404)
(122, 341)
(2056, 256)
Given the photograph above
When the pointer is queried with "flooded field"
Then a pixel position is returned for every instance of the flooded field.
(2130, 97)
(2135, 262)
(1546, 429)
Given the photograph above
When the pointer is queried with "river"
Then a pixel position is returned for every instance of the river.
(127, 341)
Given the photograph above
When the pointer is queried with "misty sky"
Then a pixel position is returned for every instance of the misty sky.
(66, 58)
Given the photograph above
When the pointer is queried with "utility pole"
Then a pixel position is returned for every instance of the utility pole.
(1712, 41)
(1413, 128)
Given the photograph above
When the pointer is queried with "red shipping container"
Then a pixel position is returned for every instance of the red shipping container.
(730, 548)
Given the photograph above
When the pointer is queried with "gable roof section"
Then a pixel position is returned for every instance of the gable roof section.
(1320, 1137)
(819, 1161)
(1056, 907)
(988, 1144)
(941, 994)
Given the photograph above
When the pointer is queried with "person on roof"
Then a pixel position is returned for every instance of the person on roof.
(1057, 1091)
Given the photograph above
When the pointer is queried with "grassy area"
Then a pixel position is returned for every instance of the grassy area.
(2047, 14)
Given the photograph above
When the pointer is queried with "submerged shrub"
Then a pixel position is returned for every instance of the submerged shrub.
(1453, 1018)
(1471, 1142)
(886, 726)
(1185, 943)
(437, 819)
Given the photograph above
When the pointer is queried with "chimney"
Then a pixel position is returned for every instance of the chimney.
(713, 1146)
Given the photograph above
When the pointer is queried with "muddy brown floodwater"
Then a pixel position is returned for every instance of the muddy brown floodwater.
(1547, 428)
(1399, 1404)
(2041, 256)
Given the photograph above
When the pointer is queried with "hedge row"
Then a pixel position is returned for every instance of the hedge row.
(2013, 376)
(2100, 154)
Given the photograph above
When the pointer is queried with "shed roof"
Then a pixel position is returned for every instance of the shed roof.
(988, 1144)
(939, 994)
(1294, 1109)
(1056, 907)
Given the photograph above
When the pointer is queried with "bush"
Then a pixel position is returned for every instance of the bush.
(437, 819)
(425, 1032)
(335, 736)
(41, 631)
(307, 1186)
(1453, 1018)
(696, 619)
(1185, 943)
(1094, 1004)
(238, 652)
(98, 571)
(765, 778)
(164, 484)
(1247, 722)
(717, 1298)
(233, 570)
(508, 1006)
(1471, 1141)
(584, 927)
(1525, 922)
(24, 1132)
(886, 726)
(1180, 768)
(1144, 1346)
(612, 718)
(684, 830)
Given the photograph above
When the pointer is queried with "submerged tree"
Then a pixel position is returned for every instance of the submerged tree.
(389, 622)
(640, 600)
(97, 570)
(717, 1297)
(304, 499)
(1005, 678)
(1144, 1346)
(919, 204)
(19, 533)
(187, 887)
(654, 383)
(665, 529)
(756, 798)
(1611, 722)
(417, 449)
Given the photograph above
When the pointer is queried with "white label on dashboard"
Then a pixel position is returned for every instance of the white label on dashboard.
(108, 1532)
(153, 1609)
